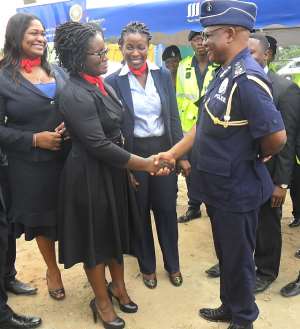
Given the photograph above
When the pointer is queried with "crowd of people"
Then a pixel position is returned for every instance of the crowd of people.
(85, 160)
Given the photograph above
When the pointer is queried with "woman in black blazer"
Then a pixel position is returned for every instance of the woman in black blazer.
(151, 125)
(99, 219)
(31, 133)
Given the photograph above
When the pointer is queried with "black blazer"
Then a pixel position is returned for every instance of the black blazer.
(286, 96)
(163, 83)
(93, 122)
(25, 110)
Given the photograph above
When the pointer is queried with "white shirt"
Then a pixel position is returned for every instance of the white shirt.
(148, 120)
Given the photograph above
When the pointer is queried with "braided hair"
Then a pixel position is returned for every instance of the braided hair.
(71, 42)
(135, 27)
(14, 35)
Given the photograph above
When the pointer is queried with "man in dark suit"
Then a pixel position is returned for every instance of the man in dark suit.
(286, 96)
(8, 318)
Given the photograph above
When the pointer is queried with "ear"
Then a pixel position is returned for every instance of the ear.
(231, 34)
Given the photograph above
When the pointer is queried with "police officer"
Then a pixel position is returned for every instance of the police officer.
(171, 57)
(238, 127)
(8, 318)
(193, 76)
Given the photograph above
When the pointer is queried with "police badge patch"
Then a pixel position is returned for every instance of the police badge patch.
(223, 86)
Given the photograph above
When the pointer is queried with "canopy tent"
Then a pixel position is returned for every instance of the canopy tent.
(162, 16)
(173, 16)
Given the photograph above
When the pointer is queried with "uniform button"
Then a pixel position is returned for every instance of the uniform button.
(275, 121)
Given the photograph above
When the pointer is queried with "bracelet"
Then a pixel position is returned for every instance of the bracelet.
(34, 141)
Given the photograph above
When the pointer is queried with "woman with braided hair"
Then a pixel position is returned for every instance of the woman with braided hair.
(99, 219)
(151, 125)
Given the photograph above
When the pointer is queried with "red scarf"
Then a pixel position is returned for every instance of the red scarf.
(139, 72)
(95, 81)
(27, 64)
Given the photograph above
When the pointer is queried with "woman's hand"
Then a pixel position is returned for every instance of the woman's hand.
(184, 167)
(48, 140)
(62, 130)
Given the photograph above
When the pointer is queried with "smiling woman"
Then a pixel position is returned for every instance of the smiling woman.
(31, 132)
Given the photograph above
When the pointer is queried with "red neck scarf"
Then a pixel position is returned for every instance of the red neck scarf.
(27, 64)
(95, 81)
(139, 72)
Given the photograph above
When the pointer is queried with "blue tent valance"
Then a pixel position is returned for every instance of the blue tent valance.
(160, 15)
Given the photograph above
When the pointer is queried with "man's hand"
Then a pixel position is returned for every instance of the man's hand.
(184, 167)
(165, 162)
(278, 197)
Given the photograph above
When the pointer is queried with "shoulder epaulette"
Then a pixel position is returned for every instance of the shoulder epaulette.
(238, 69)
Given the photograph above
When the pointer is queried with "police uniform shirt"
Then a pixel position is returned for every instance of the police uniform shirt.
(226, 170)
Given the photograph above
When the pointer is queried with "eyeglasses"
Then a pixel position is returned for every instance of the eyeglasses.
(209, 34)
(102, 53)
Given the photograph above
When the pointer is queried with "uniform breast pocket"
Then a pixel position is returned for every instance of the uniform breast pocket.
(215, 175)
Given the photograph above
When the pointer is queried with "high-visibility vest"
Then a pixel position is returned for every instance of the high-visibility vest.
(187, 91)
(297, 160)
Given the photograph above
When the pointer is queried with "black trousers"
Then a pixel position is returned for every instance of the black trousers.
(268, 242)
(234, 238)
(5, 311)
(10, 269)
(295, 191)
(158, 194)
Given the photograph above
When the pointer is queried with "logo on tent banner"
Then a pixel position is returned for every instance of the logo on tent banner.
(193, 12)
(76, 13)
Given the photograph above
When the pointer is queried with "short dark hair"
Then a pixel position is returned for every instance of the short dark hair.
(273, 44)
(262, 39)
(70, 43)
(15, 30)
(135, 27)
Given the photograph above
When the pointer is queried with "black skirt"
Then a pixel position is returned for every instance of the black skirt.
(98, 216)
(34, 197)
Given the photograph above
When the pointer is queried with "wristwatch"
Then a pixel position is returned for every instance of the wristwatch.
(284, 186)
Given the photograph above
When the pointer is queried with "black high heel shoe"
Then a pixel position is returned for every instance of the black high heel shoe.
(117, 323)
(126, 308)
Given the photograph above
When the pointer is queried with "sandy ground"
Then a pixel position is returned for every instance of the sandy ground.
(166, 307)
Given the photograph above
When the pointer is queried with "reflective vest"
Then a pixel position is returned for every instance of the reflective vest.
(187, 92)
(297, 160)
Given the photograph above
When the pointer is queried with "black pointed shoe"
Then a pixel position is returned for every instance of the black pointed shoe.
(191, 214)
(17, 287)
(237, 326)
(220, 314)
(130, 307)
(16, 321)
(214, 271)
(117, 323)
(261, 284)
(291, 289)
(295, 222)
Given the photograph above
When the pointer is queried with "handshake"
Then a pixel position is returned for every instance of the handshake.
(162, 164)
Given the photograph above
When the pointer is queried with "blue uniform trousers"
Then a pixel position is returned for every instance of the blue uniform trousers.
(158, 194)
(234, 237)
